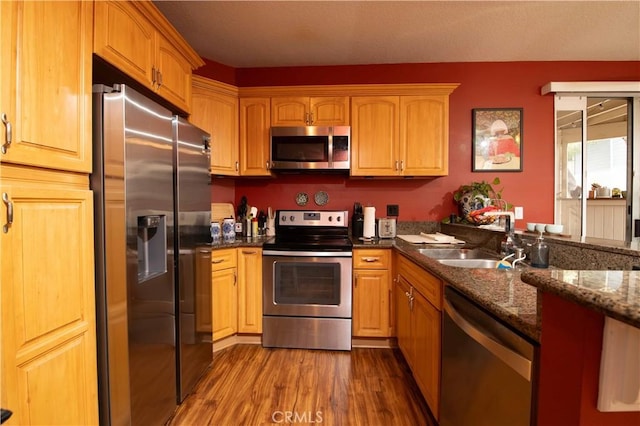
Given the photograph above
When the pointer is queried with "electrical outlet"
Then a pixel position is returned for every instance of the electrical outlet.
(393, 210)
(518, 212)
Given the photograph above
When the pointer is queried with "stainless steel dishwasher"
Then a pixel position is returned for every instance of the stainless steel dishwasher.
(487, 369)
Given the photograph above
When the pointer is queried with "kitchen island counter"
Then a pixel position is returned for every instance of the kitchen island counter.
(614, 293)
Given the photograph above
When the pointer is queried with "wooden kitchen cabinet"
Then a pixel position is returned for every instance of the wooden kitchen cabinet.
(372, 293)
(236, 281)
(48, 349)
(375, 136)
(215, 110)
(137, 39)
(249, 290)
(224, 284)
(424, 135)
(418, 326)
(400, 135)
(45, 84)
(254, 136)
(310, 111)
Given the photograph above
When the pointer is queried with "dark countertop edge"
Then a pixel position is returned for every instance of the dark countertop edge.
(588, 298)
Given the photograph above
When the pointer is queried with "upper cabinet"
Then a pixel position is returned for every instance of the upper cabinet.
(406, 135)
(310, 111)
(375, 136)
(254, 137)
(424, 135)
(137, 39)
(45, 84)
(215, 110)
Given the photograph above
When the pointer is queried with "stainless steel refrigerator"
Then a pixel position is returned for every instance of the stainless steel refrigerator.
(136, 181)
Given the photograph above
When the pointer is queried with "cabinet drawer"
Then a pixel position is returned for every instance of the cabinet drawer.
(223, 259)
(371, 258)
(428, 285)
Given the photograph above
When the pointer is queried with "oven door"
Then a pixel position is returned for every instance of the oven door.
(307, 284)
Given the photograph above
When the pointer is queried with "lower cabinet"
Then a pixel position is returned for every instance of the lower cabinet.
(372, 293)
(48, 344)
(250, 290)
(236, 280)
(224, 284)
(418, 300)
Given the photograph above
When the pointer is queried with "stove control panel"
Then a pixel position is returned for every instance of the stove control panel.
(310, 218)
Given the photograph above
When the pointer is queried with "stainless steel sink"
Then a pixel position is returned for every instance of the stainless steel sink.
(454, 253)
(461, 257)
(471, 263)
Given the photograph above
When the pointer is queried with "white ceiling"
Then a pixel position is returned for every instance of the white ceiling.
(246, 34)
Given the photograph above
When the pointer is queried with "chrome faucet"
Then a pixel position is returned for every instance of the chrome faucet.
(520, 256)
(508, 244)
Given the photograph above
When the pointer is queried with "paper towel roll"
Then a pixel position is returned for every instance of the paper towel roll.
(369, 226)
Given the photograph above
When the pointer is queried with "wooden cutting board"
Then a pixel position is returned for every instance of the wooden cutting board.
(419, 239)
(220, 211)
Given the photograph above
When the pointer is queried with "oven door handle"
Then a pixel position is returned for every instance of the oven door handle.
(307, 253)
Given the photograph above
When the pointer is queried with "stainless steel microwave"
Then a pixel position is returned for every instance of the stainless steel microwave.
(310, 148)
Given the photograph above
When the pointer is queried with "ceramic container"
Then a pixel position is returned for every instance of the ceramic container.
(554, 229)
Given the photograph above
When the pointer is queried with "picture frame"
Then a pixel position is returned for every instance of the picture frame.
(497, 139)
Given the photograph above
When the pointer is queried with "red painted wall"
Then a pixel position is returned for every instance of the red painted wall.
(570, 351)
(482, 85)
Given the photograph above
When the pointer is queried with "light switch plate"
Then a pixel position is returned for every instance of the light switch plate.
(518, 212)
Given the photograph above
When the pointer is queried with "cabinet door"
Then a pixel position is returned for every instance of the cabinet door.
(371, 303)
(425, 328)
(374, 136)
(289, 111)
(329, 111)
(174, 79)
(250, 290)
(46, 84)
(217, 114)
(225, 303)
(126, 39)
(424, 141)
(254, 136)
(403, 318)
(48, 302)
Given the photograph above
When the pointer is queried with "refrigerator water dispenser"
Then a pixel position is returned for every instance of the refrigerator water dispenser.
(152, 247)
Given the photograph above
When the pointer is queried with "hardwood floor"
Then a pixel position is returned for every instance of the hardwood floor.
(252, 385)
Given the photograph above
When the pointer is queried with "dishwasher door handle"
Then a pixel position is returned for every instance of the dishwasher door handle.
(517, 362)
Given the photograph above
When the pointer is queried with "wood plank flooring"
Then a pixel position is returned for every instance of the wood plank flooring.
(251, 385)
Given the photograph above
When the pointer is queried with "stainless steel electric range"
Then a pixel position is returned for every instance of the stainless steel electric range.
(307, 271)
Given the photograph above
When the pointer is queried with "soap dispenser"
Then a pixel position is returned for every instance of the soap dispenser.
(539, 253)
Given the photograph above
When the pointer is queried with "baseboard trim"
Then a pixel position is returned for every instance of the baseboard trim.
(374, 342)
(237, 339)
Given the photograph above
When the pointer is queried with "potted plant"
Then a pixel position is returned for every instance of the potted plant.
(477, 195)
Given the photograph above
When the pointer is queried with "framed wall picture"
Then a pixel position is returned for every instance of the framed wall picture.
(497, 139)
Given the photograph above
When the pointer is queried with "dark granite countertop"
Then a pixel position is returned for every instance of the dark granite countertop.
(512, 295)
(614, 293)
(499, 291)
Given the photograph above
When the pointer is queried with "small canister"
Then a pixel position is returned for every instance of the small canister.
(228, 230)
(215, 232)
